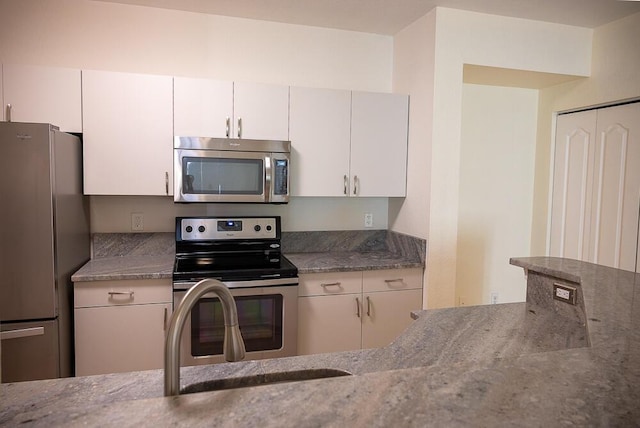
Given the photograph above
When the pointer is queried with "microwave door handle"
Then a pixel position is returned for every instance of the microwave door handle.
(267, 178)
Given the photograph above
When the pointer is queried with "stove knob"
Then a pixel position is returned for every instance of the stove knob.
(269, 227)
(201, 229)
(188, 229)
(257, 228)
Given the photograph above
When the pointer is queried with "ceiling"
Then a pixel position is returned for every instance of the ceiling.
(390, 16)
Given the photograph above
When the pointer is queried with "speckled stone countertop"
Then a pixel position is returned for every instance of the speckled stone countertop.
(119, 256)
(519, 364)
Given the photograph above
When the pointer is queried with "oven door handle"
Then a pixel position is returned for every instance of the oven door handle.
(265, 282)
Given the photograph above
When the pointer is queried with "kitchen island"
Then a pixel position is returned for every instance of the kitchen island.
(543, 362)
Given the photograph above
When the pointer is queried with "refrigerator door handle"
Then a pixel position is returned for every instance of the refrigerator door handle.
(23, 332)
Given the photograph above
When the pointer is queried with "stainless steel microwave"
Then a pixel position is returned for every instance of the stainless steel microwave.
(231, 170)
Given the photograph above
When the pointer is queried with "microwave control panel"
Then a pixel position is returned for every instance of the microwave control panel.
(281, 177)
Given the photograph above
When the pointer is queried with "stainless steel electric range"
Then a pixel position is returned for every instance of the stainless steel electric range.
(245, 254)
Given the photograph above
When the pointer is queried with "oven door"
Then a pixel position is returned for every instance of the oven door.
(268, 319)
(221, 176)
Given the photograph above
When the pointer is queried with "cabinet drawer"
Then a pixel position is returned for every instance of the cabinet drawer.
(128, 292)
(391, 279)
(323, 284)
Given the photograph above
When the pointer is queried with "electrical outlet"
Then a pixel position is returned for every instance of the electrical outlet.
(137, 222)
(368, 220)
(494, 297)
(564, 293)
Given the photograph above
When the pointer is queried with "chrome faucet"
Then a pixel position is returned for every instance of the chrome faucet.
(233, 343)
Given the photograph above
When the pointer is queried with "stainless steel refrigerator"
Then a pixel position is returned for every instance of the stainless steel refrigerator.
(44, 240)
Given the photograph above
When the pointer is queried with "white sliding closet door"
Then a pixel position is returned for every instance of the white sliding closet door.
(572, 175)
(596, 187)
(614, 227)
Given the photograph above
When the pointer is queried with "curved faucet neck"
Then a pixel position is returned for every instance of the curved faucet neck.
(233, 344)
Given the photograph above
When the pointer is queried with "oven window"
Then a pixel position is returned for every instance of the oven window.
(260, 318)
(222, 176)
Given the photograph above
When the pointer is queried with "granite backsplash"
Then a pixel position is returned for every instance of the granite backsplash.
(163, 243)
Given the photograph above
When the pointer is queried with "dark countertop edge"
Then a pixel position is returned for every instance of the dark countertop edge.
(351, 268)
(121, 277)
(138, 270)
(541, 265)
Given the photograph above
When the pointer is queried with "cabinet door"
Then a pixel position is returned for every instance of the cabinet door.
(386, 314)
(329, 323)
(43, 95)
(202, 107)
(572, 188)
(115, 339)
(128, 133)
(260, 111)
(379, 124)
(616, 187)
(320, 133)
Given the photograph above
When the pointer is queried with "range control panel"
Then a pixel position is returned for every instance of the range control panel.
(217, 228)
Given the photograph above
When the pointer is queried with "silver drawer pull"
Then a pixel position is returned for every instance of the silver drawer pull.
(389, 281)
(121, 293)
(331, 284)
(23, 332)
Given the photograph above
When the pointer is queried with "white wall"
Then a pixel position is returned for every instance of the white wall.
(414, 67)
(472, 38)
(109, 36)
(494, 217)
(110, 214)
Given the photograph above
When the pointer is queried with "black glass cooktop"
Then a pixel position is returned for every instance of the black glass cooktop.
(227, 267)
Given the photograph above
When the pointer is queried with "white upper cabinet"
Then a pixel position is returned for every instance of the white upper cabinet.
(320, 134)
(128, 133)
(202, 107)
(261, 111)
(379, 128)
(43, 95)
(348, 144)
(222, 109)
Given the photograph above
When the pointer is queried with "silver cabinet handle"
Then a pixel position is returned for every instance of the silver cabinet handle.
(331, 284)
(120, 293)
(395, 283)
(23, 332)
(239, 127)
(346, 184)
(8, 112)
(166, 182)
(164, 322)
(358, 307)
(368, 306)
(228, 128)
(355, 184)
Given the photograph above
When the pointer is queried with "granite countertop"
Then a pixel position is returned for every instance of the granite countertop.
(121, 256)
(518, 364)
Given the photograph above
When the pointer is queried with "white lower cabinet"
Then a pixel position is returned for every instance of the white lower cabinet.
(342, 311)
(120, 326)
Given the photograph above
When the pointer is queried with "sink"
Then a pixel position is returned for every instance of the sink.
(263, 379)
